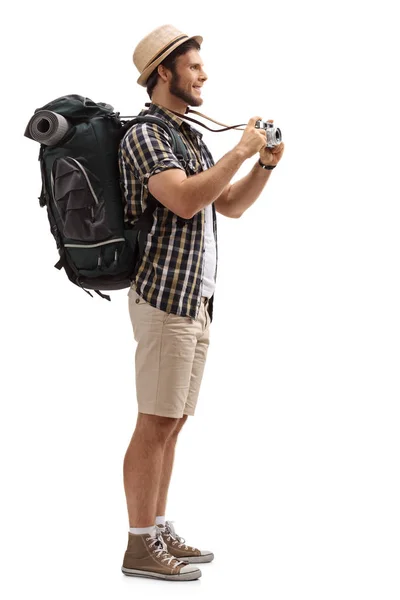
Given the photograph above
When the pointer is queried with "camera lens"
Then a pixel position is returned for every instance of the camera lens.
(278, 135)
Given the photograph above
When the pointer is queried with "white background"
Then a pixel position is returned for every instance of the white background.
(289, 471)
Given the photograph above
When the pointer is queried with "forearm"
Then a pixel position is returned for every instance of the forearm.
(202, 189)
(244, 193)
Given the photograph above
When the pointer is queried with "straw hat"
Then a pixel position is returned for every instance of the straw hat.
(156, 46)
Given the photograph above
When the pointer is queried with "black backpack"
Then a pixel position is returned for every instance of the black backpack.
(82, 191)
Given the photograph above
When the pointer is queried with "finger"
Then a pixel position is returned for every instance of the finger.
(278, 148)
(253, 121)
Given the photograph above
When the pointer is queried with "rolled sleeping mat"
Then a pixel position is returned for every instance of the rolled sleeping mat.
(47, 127)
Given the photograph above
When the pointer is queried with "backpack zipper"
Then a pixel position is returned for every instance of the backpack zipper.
(94, 245)
(86, 177)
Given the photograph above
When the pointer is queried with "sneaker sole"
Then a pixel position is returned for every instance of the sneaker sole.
(198, 559)
(195, 574)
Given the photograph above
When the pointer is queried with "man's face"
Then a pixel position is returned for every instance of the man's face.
(188, 78)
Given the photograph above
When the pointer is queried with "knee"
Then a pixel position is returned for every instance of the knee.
(156, 428)
(178, 427)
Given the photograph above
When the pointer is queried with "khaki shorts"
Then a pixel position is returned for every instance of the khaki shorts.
(170, 357)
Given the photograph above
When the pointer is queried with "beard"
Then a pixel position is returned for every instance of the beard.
(176, 90)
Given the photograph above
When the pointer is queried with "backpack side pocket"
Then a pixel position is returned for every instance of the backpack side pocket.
(81, 211)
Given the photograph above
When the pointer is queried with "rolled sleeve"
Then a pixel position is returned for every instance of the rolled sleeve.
(147, 149)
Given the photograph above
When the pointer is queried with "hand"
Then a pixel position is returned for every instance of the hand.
(271, 156)
(252, 139)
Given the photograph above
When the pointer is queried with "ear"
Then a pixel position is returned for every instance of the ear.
(162, 72)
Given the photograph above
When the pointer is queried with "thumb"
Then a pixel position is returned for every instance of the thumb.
(253, 121)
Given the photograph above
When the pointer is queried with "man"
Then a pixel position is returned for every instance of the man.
(171, 299)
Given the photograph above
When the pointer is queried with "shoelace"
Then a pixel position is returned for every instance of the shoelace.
(161, 549)
(170, 531)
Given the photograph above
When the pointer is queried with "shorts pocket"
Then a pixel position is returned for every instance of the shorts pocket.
(135, 298)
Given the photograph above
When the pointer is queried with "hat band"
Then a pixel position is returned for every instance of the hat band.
(182, 37)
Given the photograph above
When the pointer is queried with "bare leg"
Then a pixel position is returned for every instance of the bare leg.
(142, 467)
(166, 470)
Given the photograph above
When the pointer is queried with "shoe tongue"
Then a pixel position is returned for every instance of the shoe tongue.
(160, 542)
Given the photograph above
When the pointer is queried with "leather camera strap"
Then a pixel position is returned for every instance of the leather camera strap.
(225, 127)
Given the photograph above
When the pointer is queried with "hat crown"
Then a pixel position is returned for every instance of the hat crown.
(153, 43)
(156, 46)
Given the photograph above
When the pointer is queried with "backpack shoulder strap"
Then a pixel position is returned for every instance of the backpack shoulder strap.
(178, 146)
(144, 223)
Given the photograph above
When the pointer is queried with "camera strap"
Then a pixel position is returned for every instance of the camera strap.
(225, 127)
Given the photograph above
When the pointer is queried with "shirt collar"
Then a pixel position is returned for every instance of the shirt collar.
(157, 109)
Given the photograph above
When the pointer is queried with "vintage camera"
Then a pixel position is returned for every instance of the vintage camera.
(274, 134)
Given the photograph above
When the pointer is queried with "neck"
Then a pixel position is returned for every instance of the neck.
(170, 102)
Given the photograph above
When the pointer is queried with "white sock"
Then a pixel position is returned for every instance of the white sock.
(160, 520)
(142, 530)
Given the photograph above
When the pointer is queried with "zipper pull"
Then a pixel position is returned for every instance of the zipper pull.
(115, 261)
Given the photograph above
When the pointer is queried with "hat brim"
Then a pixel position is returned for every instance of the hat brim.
(148, 71)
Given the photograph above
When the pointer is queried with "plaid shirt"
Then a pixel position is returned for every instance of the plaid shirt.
(170, 274)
